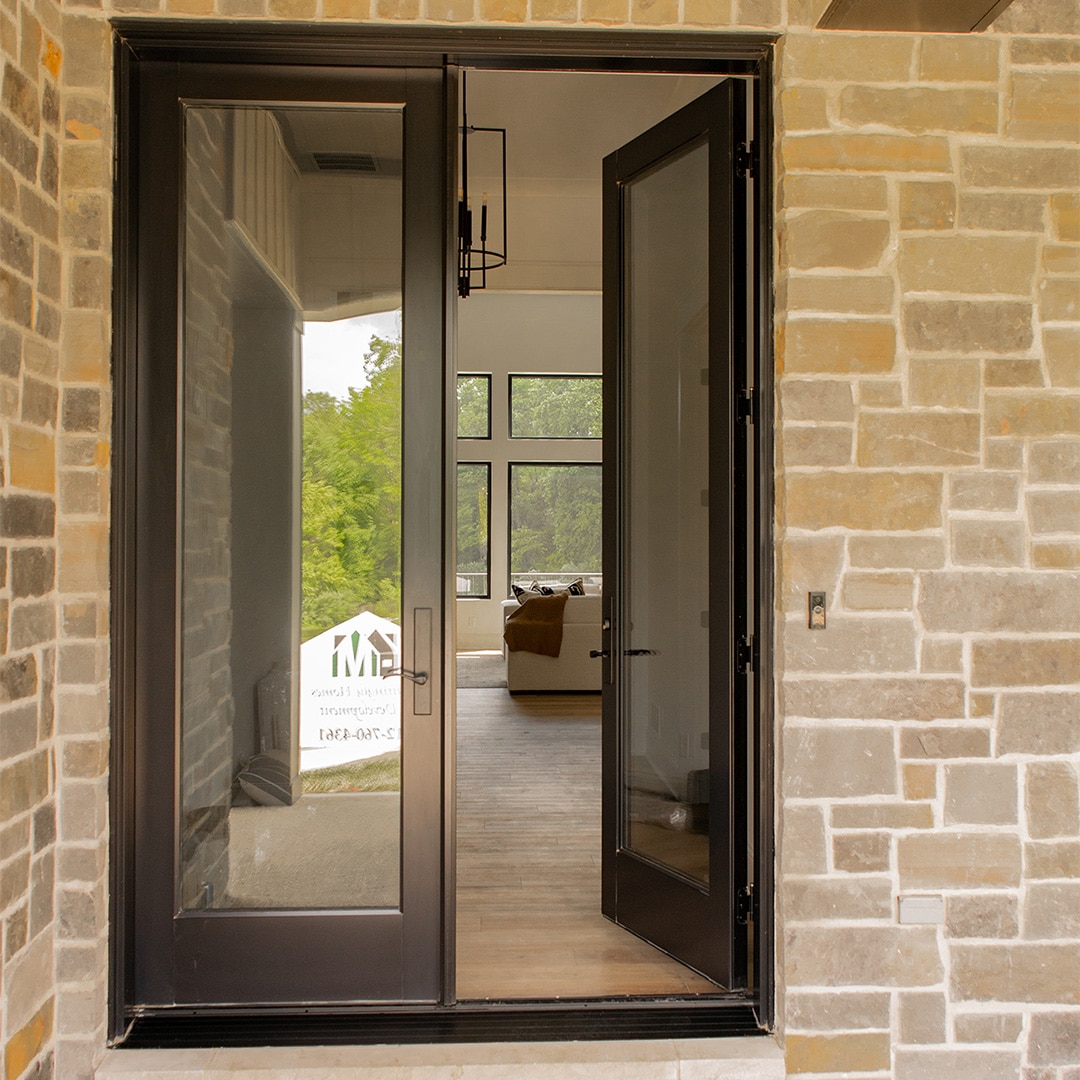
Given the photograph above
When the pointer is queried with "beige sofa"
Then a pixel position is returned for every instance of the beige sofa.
(573, 668)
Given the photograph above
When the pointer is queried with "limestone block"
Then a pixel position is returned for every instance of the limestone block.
(922, 438)
(1051, 859)
(26, 1043)
(858, 1051)
(1026, 662)
(981, 705)
(836, 1010)
(919, 109)
(1016, 972)
(988, 543)
(880, 394)
(1019, 167)
(1054, 511)
(708, 12)
(1051, 910)
(982, 915)
(1059, 299)
(862, 57)
(920, 781)
(862, 852)
(866, 501)
(970, 601)
(944, 383)
(1041, 105)
(958, 58)
(967, 326)
(821, 238)
(1061, 346)
(896, 815)
(1006, 372)
(827, 346)
(980, 794)
(802, 841)
(1037, 51)
(1061, 259)
(809, 564)
(958, 860)
(850, 645)
(1050, 800)
(1039, 723)
(886, 552)
(1054, 1038)
(862, 295)
(946, 1063)
(1002, 211)
(862, 956)
(927, 204)
(968, 264)
(841, 192)
(922, 1018)
(820, 400)
(870, 153)
(824, 446)
(988, 1027)
(804, 108)
(1003, 452)
(984, 491)
(642, 12)
(1032, 414)
(809, 900)
(1056, 556)
(878, 592)
(1065, 214)
(875, 698)
(838, 762)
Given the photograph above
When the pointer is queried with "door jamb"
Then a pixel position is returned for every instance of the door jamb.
(747, 55)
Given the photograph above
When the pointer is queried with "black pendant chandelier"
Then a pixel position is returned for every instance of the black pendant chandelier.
(476, 259)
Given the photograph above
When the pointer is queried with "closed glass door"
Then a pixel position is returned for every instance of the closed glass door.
(295, 469)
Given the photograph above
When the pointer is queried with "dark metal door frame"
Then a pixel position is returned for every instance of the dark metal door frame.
(138, 41)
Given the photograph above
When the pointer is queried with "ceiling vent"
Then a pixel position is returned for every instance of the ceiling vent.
(344, 161)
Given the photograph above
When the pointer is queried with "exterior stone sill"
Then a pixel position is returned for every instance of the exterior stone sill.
(658, 1059)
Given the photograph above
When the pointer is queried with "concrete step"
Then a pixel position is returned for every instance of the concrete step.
(688, 1059)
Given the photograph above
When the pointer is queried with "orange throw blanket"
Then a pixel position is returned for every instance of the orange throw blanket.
(536, 626)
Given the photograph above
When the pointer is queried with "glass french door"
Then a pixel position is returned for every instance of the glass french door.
(675, 800)
(285, 633)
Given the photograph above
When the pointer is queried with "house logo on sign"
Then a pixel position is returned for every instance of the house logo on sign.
(356, 655)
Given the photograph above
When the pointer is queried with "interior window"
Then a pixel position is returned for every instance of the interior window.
(556, 406)
(555, 523)
(474, 406)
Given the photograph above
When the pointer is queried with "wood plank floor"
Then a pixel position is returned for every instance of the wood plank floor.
(528, 858)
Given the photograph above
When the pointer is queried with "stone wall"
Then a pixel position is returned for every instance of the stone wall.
(928, 230)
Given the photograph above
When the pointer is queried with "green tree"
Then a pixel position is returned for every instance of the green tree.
(351, 497)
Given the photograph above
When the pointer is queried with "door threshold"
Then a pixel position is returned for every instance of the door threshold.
(468, 1022)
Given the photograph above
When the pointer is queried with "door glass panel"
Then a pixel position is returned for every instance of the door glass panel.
(556, 406)
(665, 814)
(291, 519)
(473, 525)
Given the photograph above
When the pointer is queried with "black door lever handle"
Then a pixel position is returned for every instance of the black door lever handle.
(596, 654)
(640, 652)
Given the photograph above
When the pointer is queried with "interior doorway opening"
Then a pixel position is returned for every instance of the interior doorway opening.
(529, 744)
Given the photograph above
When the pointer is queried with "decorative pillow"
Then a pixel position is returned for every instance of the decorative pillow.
(573, 588)
(267, 780)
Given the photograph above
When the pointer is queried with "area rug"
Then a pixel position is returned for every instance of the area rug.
(485, 670)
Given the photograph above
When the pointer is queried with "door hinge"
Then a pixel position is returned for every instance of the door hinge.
(744, 160)
(744, 905)
(745, 406)
(744, 655)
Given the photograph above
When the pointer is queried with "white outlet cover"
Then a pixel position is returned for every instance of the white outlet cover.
(922, 910)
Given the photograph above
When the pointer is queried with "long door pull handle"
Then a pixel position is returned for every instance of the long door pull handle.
(640, 652)
(418, 677)
(596, 654)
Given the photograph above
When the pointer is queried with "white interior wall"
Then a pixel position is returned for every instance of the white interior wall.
(505, 334)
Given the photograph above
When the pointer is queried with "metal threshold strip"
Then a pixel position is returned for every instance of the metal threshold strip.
(468, 1022)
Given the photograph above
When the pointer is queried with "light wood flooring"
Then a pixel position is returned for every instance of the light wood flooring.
(528, 858)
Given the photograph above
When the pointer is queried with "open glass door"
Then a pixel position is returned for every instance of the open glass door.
(290, 469)
(674, 829)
